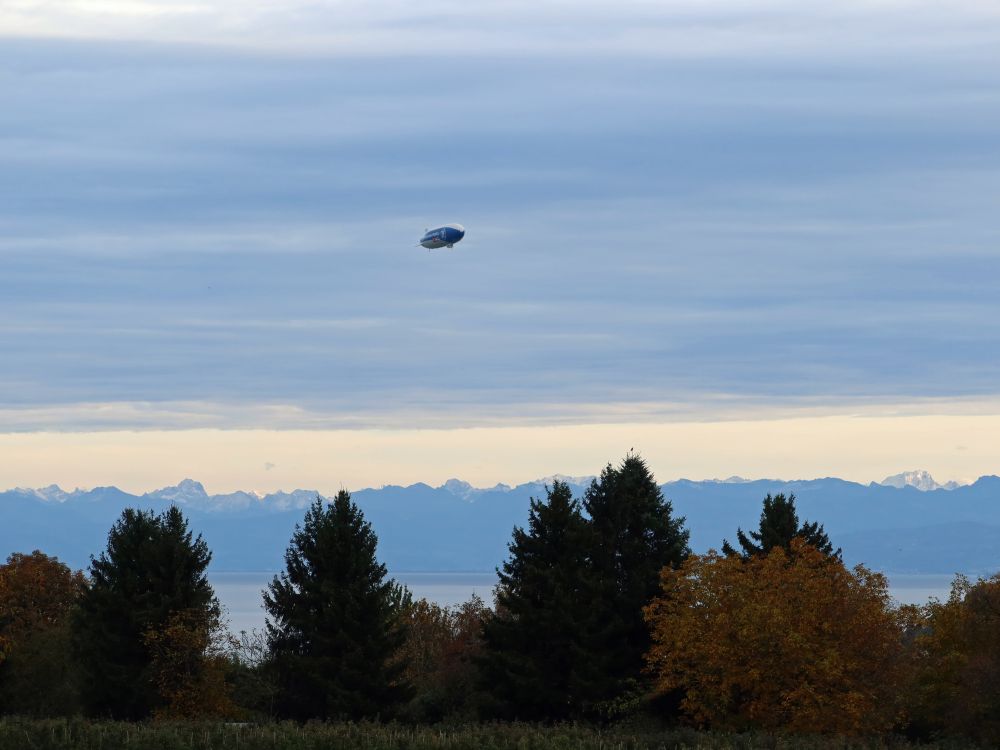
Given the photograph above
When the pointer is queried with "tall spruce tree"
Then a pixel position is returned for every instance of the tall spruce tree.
(533, 649)
(333, 628)
(779, 524)
(632, 536)
(152, 570)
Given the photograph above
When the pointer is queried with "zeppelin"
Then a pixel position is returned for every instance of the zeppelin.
(445, 236)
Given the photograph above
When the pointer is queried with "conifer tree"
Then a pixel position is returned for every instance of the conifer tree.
(333, 619)
(633, 536)
(152, 570)
(779, 524)
(533, 648)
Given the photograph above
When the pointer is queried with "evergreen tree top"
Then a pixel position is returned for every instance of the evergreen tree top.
(334, 544)
(553, 536)
(155, 560)
(779, 524)
(627, 509)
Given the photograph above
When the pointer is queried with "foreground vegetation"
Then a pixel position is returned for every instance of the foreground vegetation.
(606, 632)
(88, 735)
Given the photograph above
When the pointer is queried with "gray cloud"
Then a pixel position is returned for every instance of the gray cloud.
(235, 229)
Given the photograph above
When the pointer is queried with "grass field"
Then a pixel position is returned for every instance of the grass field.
(88, 735)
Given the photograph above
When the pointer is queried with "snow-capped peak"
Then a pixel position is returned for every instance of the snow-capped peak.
(282, 500)
(920, 479)
(577, 481)
(187, 492)
(458, 488)
(464, 490)
(53, 493)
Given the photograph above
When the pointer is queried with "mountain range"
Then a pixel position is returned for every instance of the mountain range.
(907, 524)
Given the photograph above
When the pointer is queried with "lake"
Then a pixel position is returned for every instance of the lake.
(240, 593)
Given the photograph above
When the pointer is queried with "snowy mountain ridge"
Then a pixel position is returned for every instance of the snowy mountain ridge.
(919, 479)
(458, 527)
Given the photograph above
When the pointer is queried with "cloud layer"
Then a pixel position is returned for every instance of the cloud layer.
(208, 211)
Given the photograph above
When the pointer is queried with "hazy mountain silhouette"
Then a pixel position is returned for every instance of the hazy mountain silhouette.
(459, 527)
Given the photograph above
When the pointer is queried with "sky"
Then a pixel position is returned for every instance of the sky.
(683, 218)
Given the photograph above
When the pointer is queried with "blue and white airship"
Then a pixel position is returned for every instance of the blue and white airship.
(445, 236)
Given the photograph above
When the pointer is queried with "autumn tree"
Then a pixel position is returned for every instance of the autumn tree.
(790, 642)
(956, 687)
(428, 631)
(37, 593)
(779, 524)
(459, 667)
(188, 665)
(534, 649)
(441, 651)
(152, 571)
(632, 536)
(333, 619)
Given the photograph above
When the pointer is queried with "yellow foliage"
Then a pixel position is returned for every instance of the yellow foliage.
(188, 667)
(785, 642)
(956, 655)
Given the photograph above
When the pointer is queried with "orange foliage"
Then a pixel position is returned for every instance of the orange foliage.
(441, 641)
(956, 686)
(440, 649)
(788, 642)
(428, 630)
(188, 667)
(36, 592)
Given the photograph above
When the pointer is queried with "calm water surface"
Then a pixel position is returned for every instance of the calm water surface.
(917, 588)
(240, 593)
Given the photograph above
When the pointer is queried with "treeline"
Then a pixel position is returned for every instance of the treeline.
(601, 615)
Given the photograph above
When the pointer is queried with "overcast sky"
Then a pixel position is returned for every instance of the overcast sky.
(675, 212)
